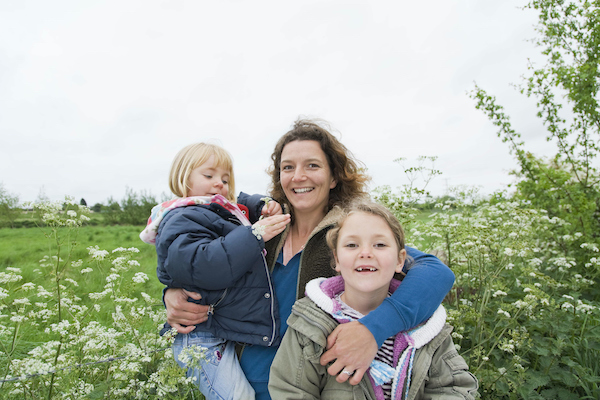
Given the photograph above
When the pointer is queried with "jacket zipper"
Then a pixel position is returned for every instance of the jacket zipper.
(211, 307)
(325, 330)
(272, 294)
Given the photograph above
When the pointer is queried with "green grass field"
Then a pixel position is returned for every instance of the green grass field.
(23, 248)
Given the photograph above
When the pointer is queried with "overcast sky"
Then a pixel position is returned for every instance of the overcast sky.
(98, 96)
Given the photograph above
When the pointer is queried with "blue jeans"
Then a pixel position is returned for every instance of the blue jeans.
(218, 375)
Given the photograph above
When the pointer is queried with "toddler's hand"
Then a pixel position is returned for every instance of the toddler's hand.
(271, 208)
(270, 227)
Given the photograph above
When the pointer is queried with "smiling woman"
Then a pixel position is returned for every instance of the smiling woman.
(306, 180)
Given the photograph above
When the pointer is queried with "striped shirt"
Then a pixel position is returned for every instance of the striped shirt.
(385, 354)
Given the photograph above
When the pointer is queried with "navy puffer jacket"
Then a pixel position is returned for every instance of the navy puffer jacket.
(206, 249)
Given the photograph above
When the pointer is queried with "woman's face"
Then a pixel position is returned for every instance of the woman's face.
(305, 176)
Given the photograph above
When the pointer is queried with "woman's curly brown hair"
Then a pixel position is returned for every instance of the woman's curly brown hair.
(347, 172)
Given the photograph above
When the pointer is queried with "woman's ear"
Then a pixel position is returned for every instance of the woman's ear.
(401, 260)
(333, 183)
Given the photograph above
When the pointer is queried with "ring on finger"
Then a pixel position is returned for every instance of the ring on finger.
(347, 372)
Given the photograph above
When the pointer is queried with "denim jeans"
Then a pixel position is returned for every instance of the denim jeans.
(219, 375)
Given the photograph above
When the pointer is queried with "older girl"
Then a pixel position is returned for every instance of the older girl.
(368, 252)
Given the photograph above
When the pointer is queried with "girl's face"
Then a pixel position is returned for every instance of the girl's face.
(208, 180)
(367, 255)
(305, 176)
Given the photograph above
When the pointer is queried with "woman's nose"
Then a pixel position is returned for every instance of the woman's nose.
(299, 175)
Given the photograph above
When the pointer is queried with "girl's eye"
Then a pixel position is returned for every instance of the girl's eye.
(380, 245)
(208, 176)
(351, 245)
(225, 182)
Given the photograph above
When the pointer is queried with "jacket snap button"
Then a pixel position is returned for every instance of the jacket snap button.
(265, 339)
(267, 295)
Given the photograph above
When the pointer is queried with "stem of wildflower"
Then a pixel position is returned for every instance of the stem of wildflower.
(57, 274)
(55, 364)
(583, 326)
(10, 353)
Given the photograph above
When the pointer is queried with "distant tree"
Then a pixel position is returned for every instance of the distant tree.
(97, 207)
(136, 207)
(111, 211)
(9, 210)
(42, 196)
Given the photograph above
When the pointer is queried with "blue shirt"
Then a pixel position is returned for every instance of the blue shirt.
(256, 360)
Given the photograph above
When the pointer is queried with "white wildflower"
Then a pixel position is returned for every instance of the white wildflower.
(140, 277)
(22, 301)
(73, 282)
(8, 278)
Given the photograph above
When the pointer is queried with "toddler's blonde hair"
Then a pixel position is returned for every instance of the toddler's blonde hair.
(193, 156)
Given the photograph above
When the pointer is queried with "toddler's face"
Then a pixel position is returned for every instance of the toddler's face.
(367, 253)
(208, 180)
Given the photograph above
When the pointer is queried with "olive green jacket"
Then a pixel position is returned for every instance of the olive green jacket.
(439, 372)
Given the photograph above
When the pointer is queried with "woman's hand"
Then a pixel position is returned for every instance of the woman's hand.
(182, 312)
(270, 227)
(353, 348)
(271, 208)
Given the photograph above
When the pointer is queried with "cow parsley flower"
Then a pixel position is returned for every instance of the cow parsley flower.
(140, 277)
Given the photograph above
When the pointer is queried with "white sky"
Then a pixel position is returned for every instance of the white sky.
(97, 96)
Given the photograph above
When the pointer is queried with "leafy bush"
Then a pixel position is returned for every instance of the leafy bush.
(526, 318)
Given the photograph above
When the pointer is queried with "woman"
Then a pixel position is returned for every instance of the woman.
(313, 174)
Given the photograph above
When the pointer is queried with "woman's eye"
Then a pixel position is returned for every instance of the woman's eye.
(286, 168)
(313, 165)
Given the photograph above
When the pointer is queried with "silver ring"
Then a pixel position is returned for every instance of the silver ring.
(347, 372)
